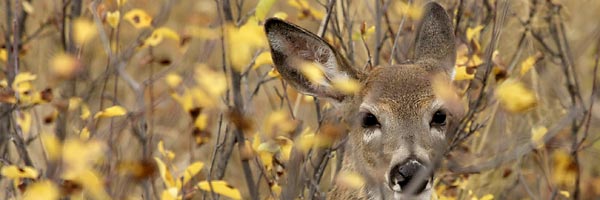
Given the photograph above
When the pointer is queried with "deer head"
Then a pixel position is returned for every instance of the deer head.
(399, 127)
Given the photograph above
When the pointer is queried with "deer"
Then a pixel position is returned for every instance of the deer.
(399, 128)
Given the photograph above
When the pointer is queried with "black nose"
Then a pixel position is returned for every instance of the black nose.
(411, 177)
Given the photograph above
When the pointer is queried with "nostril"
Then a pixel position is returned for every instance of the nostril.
(411, 176)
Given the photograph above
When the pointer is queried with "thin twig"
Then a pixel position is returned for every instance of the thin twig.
(393, 52)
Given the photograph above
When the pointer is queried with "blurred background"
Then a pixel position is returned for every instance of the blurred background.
(140, 99)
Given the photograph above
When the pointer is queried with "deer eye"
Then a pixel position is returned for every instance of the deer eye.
(438, 118)
(369, 121)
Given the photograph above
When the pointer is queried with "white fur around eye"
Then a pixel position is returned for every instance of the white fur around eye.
(436, 132)
(371, 135)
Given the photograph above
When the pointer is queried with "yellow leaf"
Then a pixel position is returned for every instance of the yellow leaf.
(487, 197)
(312, 71)
(563, 172)
(85, 112)
(278, 122)
(22, 82)
(305, 10)
(256, 141)
(274, 73)
(280, 15)
(138, 18)
(112, 111)
(461, 74)
(222, 188)
(168, 33)
(370, 31)
(410, 10)
(528, 64)
(191, 171)
(173, 80)
(51, 145)
(201, 121)
(41, 190)
(515, 97)
(265, 153)
(565, 193)
(166, 153)
(84, 134)
(306, 140)
(164, 173)
(79, 156)
(90, 180)
(285, 145)
(3, 55)
(263, 7)
(170, 194)
(27, 7)
(13, 172)
(64, 65)
(244, 41)
(263, 58)
(276, 189)
(346, 85)
(537, 136)
(24, 122)
(185, 100)
(74, 103)
(121, 2)
(214, 82)
(468, 61)
(474, 33)
(350, 179)
(113, 18)
(160, 33)
(84, 30)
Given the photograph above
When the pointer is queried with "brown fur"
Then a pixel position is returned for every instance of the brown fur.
(400, 96)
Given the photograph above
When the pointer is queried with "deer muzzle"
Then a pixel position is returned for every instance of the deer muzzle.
(410, 177)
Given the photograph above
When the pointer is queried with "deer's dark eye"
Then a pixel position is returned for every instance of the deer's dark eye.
(369, 121)
(438, 119)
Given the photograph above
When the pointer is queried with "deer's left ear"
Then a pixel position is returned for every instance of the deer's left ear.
(434, 45)
(292, 46)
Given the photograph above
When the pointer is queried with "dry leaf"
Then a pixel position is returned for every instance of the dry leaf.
(263, 58)
(84, 30)
(113, 18)
(42, 190)
(515, 97)
(312, 71)
(113, 111)
(138, 18)
(14, 172)
(220, 187)
(262, 8)
(346, 85)
(537, 136)
(64, 66)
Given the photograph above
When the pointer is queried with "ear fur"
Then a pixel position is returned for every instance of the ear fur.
(434, 44)
(292, 45)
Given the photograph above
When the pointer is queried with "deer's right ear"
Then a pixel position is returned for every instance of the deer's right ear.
(291, 46)
(434, 45)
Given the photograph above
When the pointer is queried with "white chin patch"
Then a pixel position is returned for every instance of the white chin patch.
(371, 135)
(426, 194)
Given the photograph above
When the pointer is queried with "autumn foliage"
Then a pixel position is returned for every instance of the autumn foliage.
(179, 99)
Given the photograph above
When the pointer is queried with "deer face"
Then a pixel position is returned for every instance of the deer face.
(399, 126)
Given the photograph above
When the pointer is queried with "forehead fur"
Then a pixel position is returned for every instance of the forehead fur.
(404, 89)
